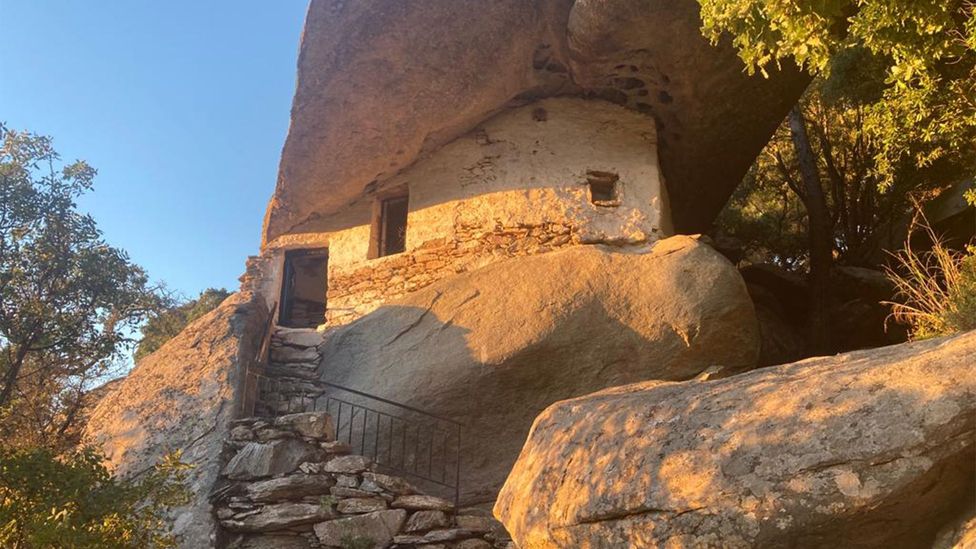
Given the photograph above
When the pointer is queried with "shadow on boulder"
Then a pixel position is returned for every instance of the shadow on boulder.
(494, 347)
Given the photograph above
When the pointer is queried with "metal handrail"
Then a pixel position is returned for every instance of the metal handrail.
(247, 399)
(446, 430)
(387, 401)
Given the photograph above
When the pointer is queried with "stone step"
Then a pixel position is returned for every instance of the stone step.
(283, 371)
(294, 354)
(296, 337)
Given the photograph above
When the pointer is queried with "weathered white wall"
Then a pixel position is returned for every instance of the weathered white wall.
(516, 170)
(526, 168)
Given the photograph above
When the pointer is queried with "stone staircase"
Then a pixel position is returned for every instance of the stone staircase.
(289, 484)
(293, 366)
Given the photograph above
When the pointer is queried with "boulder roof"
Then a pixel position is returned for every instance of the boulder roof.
(381, 84)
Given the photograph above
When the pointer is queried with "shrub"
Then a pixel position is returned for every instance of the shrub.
(936, 288)
(73, 501)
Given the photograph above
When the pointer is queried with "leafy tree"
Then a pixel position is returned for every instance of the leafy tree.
(915, 59)
(166, 323)
(68, 300)
(72, 501)
(891, 112)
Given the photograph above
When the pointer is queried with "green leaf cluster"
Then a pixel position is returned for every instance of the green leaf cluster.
(69, 302)
(73, 501)
(917, 58)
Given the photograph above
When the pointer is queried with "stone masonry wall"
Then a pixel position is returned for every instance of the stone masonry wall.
(289, 485)
(357, 292)
(519, 184)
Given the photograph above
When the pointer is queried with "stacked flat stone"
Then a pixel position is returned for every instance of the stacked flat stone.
(355, 292)
(288, 484)
(293, 365)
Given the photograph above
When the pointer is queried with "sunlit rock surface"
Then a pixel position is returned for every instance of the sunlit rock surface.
(867, 449)
(493, 347)
(381, 84)
(182, 397)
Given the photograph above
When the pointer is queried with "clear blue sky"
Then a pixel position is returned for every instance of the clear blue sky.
(182, 106)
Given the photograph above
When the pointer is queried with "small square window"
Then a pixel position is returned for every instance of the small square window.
(603, 188)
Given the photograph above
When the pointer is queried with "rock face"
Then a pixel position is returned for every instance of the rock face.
(868, 449)
(265, 459)
(380, 85)
(494, 347)
(182, 397)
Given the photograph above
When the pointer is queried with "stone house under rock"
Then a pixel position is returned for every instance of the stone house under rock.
(486, 207)
(549, 174)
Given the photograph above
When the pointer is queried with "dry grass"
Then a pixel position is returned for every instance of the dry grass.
(936, 288)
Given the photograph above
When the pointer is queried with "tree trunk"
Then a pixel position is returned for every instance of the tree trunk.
(13, 372)
(819, 232)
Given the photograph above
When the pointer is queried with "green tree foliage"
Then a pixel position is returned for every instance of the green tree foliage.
(767, 212)
(890, 117)
(68, 300)
(915, 65)
(72, 501)
(166, 323)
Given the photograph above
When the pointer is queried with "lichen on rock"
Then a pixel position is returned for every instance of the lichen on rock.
(868, 449)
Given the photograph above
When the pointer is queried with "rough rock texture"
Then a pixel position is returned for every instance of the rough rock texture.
(279, 516)
(182, 397)
(381, 84)
(379, 527)
(868, 449)
(494, 347)
(307, 507)
(265, 459)
(959, 533)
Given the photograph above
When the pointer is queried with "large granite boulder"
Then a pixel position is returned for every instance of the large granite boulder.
(382, 83)
(493, 347)
(869, 449)
(183, 398)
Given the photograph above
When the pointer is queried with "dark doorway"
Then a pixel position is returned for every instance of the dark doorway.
(303, 288)
(393, 226)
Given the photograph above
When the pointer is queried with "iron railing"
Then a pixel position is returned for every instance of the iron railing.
(250, 391)
(397, 437)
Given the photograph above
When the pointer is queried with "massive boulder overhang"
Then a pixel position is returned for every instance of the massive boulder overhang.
(381, 84)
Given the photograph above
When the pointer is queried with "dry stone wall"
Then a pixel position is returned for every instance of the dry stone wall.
(288, 484)
(289, 378)
(360, 291)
